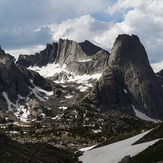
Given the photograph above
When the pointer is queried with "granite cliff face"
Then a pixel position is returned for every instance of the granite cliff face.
(160, 76)
(18, 85)
(79, 58)
(46, 56)
(129, 83)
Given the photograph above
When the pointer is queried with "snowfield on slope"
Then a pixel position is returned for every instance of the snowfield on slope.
(52, 69)
(115, 152)
(144, 116)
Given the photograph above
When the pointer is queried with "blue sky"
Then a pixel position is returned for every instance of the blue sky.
(27, 25)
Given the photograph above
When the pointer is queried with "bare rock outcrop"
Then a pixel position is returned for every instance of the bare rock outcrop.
(16, 81)
(129, 82)
(79, 58)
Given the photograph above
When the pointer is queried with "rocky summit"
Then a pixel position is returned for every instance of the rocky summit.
(79, 58)
(129, 84)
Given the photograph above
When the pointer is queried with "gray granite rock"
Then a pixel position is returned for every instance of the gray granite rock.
(16, 81)
(79, 58)
(129, 81)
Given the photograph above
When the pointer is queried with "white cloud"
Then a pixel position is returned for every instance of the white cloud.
(41, 12)
(74, 20)
(122, 5)
(157, 66)
(26, 50)
(79, 29)
(143, 18)
(20, 19)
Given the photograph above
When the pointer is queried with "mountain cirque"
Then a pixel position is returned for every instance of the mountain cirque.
(79, 58)
(127, 82)
(73, 95)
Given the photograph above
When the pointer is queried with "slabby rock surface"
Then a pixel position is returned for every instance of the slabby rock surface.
(129, 82)
(79, 58)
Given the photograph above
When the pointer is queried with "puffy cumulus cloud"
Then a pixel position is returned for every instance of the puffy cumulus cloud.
(26, 50)
(143, 18)
(122, 6)
(20, 19)
(157, 66)
(79, 29)
(76, 20)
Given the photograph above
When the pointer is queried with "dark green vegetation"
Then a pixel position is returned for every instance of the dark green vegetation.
(156, 133)
(57, 139)
(122, 136)
(153, 154)
(12, 151)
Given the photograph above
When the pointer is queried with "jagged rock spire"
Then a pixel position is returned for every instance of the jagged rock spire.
(129, 81)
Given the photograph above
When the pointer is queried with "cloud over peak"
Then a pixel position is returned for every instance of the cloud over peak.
(38, 22)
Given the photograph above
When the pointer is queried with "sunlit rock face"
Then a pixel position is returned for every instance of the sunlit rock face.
(129, 83)
(78, 58)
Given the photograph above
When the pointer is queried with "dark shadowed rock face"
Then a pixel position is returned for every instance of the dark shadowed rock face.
(46, 56)
(129, 81)
(79, 58)
(16, 81)
(160, 76)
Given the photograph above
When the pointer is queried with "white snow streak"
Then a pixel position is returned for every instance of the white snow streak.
(63, 107)
(125, 91)
(9, 103)
(87, 148)
(51, 69)
(143, 116)
(22, 112)
(36, 91)
(19, 110)
(87, 60)
(69, 96)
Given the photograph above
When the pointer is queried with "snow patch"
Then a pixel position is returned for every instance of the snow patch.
(87, 60)
(51, 69)
(63, 107)
(69, 96)
(19, 110)
(114, 152)
(83, 88)
(54, 118)
(11, 105)
(125, 91)
(86, 149)
(22, 113)
(97, 131)
(143, 116)
(36, 91)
